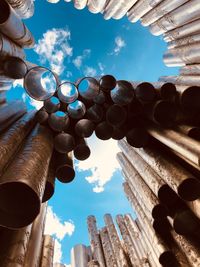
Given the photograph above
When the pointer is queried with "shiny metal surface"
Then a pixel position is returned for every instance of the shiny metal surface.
(80, 4)
(9, 48)
(24, 8)
(182, 15)
(195, 38)
(193, 69)
(96, 6)
(79, 256)
(47, 251)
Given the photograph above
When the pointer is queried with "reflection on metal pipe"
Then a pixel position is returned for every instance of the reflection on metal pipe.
(80, 4)
(15, 68)
(40, 83)
(84, 128)
(50, 182)
(58, 121)
(193, 69)
(79, 256)
(67, 92)
(88, 87)
(12, 26)
(182, 15)
(47, 251)
(8, 48)
(137, 137)
(76, 110)
(96, 6)
(123, 93)
(95, 113)
(184, 41)
(64, 143)
(42, 116)
(52, 104)
(123, 8)
(24, 8)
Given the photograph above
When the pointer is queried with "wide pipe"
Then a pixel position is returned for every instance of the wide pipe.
(191, 131)
(9, 48)
(82, 150)
(107, 248)
(185, 80)
(127, 241)
(160, 10)
(181, 15)
(143, 192)
(140, 9)
(23, 8)
(115, 241)
(84, 128)
(34, 251)
(47, 251)
(26, 177)
(144, 91)
(79, 256)
(95, 241)
(165, 90)
(13, 27)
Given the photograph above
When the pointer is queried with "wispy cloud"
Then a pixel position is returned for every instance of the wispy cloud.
(119, 44)
(101, 68)
(54, 47)
(89, 71)
(78, 61)
(102, 163)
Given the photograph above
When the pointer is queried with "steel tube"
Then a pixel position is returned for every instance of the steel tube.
(80, 4)
(193, 69)
(107, 83)
(88, 87)
(42, 116)
(82, 150)
(116, 115)
(84, 128)
(140, 9)
(58, 121)
(13, 246)
(184, 41)
(145, 92)
(182, 31)
(135, 261)
(96, 6)
(22, 184)
(34, 252)
(143, 192)
(76, 110)
(11, 112)
(79, 256)
(186, 80)
(107, 248)
(95, 241)
(166, 90)
(123, 93)
(24, 8)
(15, 68)
(104, 130)
(13, 27)
(137, 137)
(67, 92)
(47, 251)
(178, 142)
(64, 143)
(50, 182)
(115, 242)
(191, 131)
(123, 8)
(8, 48)
(52, 104)
(160, 10)
(181, 15)
(162, 251)
(64, 167)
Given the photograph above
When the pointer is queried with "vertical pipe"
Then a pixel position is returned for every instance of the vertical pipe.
(24, 8)
(79, 256)
(47, 251)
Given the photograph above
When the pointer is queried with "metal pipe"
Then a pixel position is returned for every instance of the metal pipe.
(182, 31)
(104, 130)
(79, 256)
(8, 48)
(96, 6)
(135, 261)
(67, 92)
(141, 8)
(82, 150)
(144, 194)
(186, 80)
(191, 131)
(2, 97)
(93, 263)
(50, 182)
(193, 69)
(165, 90)
(24, 8)
(95, 241)
(107, 248)
(47, 251)
(116, 115)
(64, 166)
(84, 128)
(64, 143)
(13, 27)
(178, 142)
(184, 41)
(161, 10)
(15, 68)
(137, 137)
(40, 83)
(162, 251)
(115, 242)
(22, 184)
(58, 121)
(176, 176)
(76, 110)
(42, 116)
(107, 83)
(181, 15)
(95, 113)
(110, 9)
(10, 113)
(119, 132)
(123, 8)
(88, 87)
(123, 93)
(145, 92)
(13, 246)
(80, 4)
(34, 251)
(52, 104)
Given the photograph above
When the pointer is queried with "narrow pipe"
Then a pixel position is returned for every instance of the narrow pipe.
(64, 143)
(58, 121)
(24, 8)
(84, 128)
(79, 256)
(82, 150)
(47, 251)
(123, 93)
(9, 48)
(104, 130)
(67, 92)
(52, 104)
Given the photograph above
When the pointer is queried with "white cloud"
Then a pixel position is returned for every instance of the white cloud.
(57, 258)
(78, 61)
(89, 71)
(54, 226)
(101, 67)
(18, 83)
(53, 48)
(102, 162)
(119, 44)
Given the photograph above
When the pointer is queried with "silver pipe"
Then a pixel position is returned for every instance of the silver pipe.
(80, 4)
(160, 10)
(110, 9)
(193, 80)
(182, 31)
(190, 70)
(182, 15)
(184, 41)
(96, 6)
(141, 8)
(123, 8)
(13, 27)
(8, 48)
(23, 8)
(79, 256)
(188, 54)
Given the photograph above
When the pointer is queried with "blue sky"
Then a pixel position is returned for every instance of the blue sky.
(75, 43)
